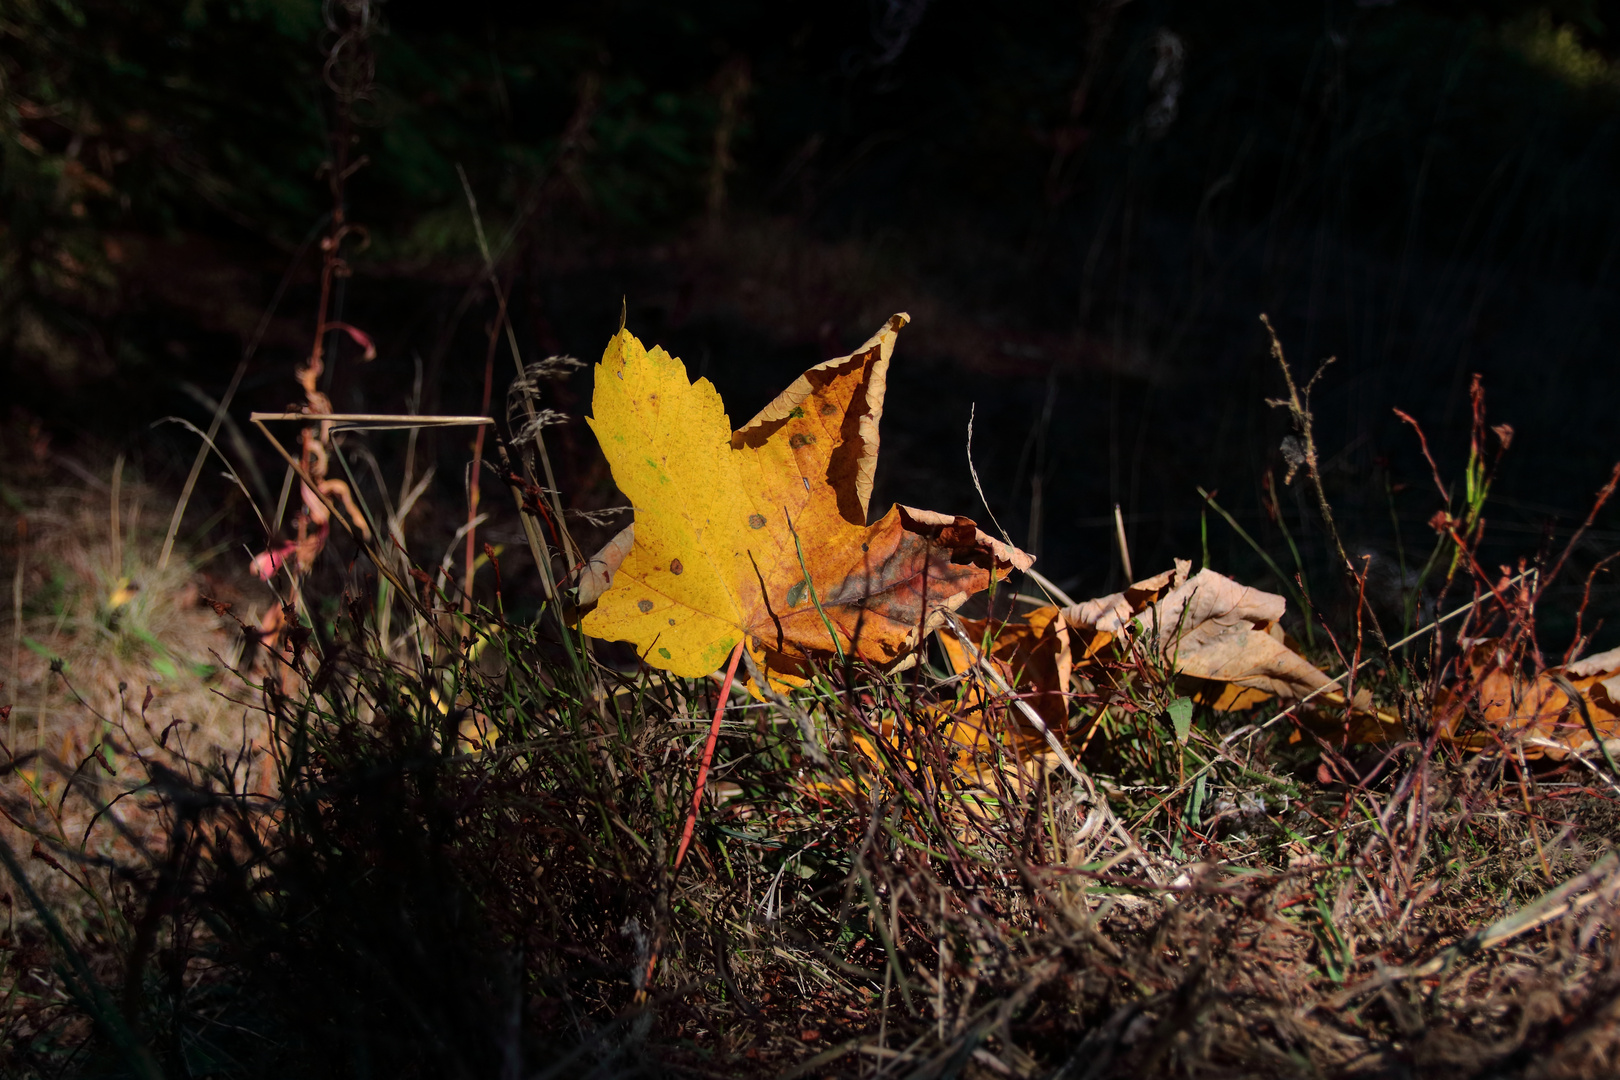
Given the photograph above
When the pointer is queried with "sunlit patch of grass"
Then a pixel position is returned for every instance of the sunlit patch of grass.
(105, 654)
(90, 597)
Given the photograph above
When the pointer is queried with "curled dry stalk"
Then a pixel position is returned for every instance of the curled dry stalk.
(348, 72)
(1300, 452)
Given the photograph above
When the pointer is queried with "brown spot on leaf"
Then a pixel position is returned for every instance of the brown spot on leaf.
(644, 605)
(756, 521)
(828, 408)
(801, 439)
(675, 566)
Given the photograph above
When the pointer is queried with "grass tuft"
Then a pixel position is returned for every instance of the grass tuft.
(421, 837)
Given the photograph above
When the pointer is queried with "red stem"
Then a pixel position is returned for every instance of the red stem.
(477, 472)
(708, 757)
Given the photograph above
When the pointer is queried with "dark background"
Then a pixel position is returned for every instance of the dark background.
(1085, 206)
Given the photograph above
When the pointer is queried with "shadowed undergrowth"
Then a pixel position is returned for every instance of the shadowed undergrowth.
(396, 830)
(450, 856)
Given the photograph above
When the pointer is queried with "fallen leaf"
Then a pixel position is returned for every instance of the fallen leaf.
(1113, 613)
(123, 592)
(1223, 639)
(1032, 653)
(760, 535)
(1217, 642)
(1598, 679)
(1488, 704)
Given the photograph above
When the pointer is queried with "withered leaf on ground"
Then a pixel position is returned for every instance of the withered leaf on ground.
(760, 535)
(1032, 653)
(1216, 640)
(1224, 640)
(1488, 704)
(1224, 644)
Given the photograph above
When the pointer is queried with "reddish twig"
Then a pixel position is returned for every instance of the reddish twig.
(1577, 643)
(691, 816)
(1423, 441)
(708, 757)
(477, 472)
(1604, 494)
(1350, 673)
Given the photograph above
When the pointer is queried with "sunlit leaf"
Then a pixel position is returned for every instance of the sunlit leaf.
(721, 519)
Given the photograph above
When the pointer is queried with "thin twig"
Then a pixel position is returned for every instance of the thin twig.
(1124, 548)
(708, 757)
(373, 421)
(1298, 404)
(974, 472)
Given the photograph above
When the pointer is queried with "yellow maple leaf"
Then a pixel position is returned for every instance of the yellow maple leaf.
(760, 535)
(123, 591)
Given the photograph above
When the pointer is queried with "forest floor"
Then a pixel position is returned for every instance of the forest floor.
(314, 770)
(383, 830)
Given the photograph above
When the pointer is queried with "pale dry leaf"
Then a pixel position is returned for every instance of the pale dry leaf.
(1222, 636)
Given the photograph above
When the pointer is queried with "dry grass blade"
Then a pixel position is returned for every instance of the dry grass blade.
(225, 399)
(1601, 878)
(503, 321)
(373, 421)
(1049, 587)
